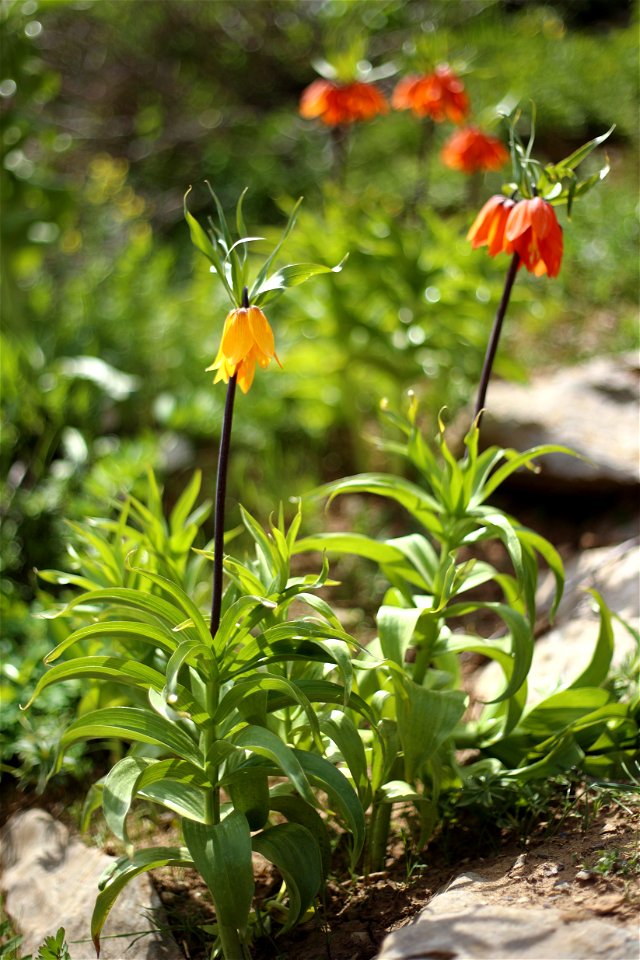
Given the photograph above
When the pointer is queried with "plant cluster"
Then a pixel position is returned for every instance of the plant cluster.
(266, 727)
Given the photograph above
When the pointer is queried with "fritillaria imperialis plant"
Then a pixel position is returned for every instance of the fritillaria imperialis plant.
(346, 93)
(221, 711)
(415, 689)
(522, 222)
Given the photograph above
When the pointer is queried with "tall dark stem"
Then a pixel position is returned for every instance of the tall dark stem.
(221, 493)
(495, 336)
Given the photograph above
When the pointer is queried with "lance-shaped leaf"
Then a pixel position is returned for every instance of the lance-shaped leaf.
(340, 792)
(344, 733)
(426, 718)
(131, 723)
(294, 851)
(290, 276)
(597, 670)
(116, 669)
(575, 158)
(396, 627)
(264, 743)
(521, 640)
(297, 810)
(125, 870)
(222, 854)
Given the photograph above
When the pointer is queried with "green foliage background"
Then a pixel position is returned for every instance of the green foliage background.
(109, 110)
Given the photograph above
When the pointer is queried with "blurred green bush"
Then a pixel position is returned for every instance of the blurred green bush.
(109, 110)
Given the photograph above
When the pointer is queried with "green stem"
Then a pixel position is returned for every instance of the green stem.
(232, 946)
(380, 824)
(212, 795)
(425, 650)
(495, 337)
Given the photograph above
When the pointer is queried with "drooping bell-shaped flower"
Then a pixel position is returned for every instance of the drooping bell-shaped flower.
(488, 228)
(439, 95)
(338, 103)
(247, 339)
(470, 150)
(532, 230)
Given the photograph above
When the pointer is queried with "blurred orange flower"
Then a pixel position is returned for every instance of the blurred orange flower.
(488, 228)
(534, 233)
(439, 95)
(470, 150)
(335, 103)
(247, 339)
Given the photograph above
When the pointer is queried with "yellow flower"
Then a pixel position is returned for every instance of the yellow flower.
(247, 339)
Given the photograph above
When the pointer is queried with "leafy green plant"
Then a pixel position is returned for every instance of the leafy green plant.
(415, 689)
(54, 948)
(209, 711)
(225, 730)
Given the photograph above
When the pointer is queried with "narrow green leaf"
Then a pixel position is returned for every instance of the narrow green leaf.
(344, 733)
(561, 710)
(290, 276)
(294, 851)
(340, 792)
(575, 158)
(413, 498)
(520, 638)
(270, 259)
(188, 801)
(124, 871)
(126, 630)
(184, 504)
(222, 855)
(597, 670)
(264, 743)
(396, 627)
(131, 723)
(426, 718)
(119, 791)
(355, 544)
(514, 462)
(297, 810)
(116, 669)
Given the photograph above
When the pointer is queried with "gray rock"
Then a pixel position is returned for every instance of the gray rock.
(51, 880)
(592, 408)
(561, 654)
(460, 924)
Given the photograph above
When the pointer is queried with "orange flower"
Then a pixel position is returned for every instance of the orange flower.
(247, 339)
(335, 103)
(439, 95)
(471, 150)
(533, 232)
(488, 228)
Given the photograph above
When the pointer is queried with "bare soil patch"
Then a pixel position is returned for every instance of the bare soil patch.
(584, 864)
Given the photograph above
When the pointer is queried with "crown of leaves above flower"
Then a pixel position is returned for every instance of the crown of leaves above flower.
(557, 183)
(229, 257)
